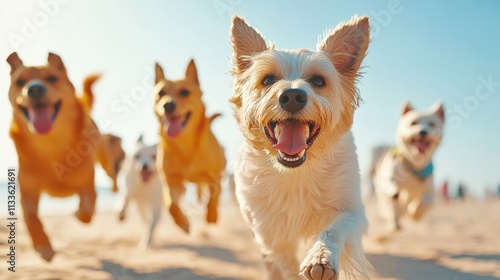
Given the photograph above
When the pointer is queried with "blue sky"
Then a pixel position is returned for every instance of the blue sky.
(422, 51)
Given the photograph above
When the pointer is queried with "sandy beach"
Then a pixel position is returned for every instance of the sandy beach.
(455, 241)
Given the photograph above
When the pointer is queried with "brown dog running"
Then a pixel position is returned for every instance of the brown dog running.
(56, 141)
(188, 150)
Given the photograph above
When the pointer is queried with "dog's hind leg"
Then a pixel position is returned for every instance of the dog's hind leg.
(123, 205)
(389, 211)
(213, 202)
(87, 205)
(29, 203)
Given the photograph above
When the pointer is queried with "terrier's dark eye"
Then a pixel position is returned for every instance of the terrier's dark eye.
(432, 124)
(414, 123)
(269, 80)
(317, 81)
(52, 79)
(161, 93)
(20, 82)
(184, 92)
(137, 156)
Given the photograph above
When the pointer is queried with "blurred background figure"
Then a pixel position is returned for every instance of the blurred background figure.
(461, 192)
(444, 192)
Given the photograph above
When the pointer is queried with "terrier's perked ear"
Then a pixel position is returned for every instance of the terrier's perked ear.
(346, 45)
(245, 42)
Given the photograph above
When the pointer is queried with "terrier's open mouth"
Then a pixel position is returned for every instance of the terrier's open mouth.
(145, 175)
(174, 125)
(41, 116)
(422, 144)
(291, 138)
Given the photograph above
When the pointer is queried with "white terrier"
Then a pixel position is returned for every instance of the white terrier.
(402, 176)
(291, 105)
(143, 186)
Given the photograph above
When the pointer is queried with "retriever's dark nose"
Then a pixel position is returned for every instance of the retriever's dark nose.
(293, 100)
(169, 107)
(36, 91)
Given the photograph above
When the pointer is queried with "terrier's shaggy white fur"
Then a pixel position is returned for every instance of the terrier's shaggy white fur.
(297, 174)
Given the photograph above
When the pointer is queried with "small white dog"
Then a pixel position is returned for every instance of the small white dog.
(402, 176)
(143, 186)
(291, 105)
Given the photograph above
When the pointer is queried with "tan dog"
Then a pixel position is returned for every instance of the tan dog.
(188, 150)
(111, 155)
(55, 139)
(297, 174)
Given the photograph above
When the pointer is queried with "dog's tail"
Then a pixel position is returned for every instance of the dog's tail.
(87, 98)
(213, 117)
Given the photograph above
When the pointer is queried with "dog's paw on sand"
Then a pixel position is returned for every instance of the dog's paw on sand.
(316, 265)
(46, 253)
(83, 217)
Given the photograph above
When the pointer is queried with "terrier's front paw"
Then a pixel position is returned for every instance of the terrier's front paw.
(316, 265)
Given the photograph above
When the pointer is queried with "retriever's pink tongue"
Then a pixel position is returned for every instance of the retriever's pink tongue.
(292, 139)
(41, 118)
(173, 128)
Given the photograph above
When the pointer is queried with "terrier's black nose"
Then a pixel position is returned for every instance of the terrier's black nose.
(293, 100)
(144, 166)
(169, 107)
(423, 133)
(36, 91)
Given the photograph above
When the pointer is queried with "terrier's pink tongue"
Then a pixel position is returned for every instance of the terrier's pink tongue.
(292, 139)
(145, 174)
(173, 128)
(421, 146)
(41, 118)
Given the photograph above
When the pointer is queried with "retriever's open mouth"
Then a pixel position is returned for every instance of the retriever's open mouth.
(291, 138)
(174, 125)
(422, 144)
(41, 116)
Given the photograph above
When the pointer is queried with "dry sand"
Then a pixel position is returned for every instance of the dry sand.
(455, 241)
